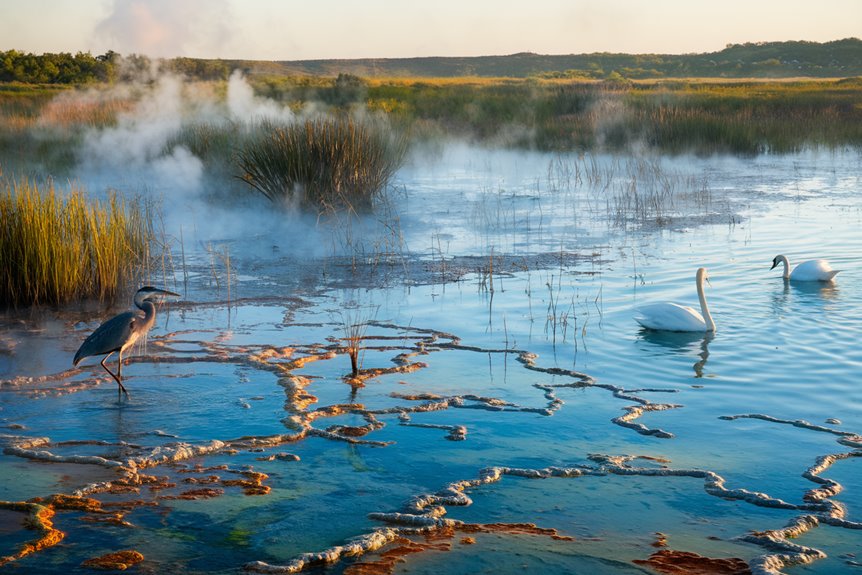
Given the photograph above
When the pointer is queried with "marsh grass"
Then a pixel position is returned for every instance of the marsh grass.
(746, 118)
(44, 127)
(698, 115)
(633, 189)
(354, 319)
(648, 193)
(56, 248)
(325, 164)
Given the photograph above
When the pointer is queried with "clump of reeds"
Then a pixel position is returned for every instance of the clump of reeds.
(324, 164)
(649, 193)
(57, 248)
(354, 320)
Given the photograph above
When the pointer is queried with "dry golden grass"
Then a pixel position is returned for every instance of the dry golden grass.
(54, 248)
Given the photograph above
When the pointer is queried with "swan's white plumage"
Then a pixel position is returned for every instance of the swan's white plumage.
(808, 271)
(668, 316)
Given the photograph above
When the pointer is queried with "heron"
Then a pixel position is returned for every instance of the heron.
(122, 331)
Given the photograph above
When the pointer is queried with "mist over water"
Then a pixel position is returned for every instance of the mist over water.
(496, 292)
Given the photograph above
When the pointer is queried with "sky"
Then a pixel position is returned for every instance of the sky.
(322, 29)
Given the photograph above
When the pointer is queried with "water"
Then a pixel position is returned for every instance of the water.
(509, 235)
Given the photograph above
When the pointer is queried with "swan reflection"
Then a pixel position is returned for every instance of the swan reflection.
(810, 290)
(681, 341)
(805, 294)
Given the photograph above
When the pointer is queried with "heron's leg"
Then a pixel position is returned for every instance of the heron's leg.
(120, 374)
(117, 379)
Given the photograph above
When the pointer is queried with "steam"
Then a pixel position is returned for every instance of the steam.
(140, 155)
(166, 28)
(244, 106)
(140, 146)
(135, 149)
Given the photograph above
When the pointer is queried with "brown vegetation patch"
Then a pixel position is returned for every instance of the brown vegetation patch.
(116, 518)
(73, 503)
(128, 505)
(441, 539)
(402, 547)
(350, 430)
(118, 561)
(202, 493)
(364, 375)
(673, 562)
(515, 529)
(203, 480)
(252, 485)
(300, 362)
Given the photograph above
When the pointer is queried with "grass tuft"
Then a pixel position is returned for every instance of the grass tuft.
(57, 248)
(326, 164)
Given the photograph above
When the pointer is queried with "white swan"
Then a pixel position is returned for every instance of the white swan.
(810, 271)
(669, 316)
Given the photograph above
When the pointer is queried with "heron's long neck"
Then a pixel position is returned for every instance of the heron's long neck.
(786, 267)
(149, 314)
(704, 308)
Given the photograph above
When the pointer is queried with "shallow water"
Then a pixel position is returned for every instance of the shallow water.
(501, 257)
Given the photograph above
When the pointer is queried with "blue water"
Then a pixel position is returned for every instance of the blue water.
(789, 352)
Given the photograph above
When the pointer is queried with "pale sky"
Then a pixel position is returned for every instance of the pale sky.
(311, 29)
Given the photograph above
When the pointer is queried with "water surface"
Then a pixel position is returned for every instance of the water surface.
(513, 284)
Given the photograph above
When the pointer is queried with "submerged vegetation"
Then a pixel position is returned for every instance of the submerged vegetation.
(54, 249)
(325, 164)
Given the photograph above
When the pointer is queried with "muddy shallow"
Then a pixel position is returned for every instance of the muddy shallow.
(509, 413)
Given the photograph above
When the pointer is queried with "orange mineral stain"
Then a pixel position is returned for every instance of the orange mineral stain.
(39, 519)
(672, 562)
(118, 561)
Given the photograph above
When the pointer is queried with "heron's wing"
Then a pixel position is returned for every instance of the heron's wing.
(108, 337)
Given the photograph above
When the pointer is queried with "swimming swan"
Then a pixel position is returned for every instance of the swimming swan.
(810, 271)
(674, 317)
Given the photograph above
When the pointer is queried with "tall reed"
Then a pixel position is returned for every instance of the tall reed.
(325, 164)
(56, 248)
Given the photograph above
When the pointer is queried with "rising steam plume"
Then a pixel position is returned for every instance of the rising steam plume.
(167, 28)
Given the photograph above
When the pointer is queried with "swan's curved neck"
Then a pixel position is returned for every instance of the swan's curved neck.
(786, 263)
(704, 307)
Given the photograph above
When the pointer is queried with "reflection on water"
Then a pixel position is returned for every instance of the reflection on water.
(812, 290)
(693, 343)
(468, 432)
(806, 297)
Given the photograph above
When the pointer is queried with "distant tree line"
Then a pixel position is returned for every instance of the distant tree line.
(837, 59)
(841, 58)
(63, 68)
(84, 68)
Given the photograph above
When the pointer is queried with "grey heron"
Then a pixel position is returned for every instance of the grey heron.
(122, 331)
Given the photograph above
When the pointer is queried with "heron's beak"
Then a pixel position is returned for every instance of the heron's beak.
(164, 294)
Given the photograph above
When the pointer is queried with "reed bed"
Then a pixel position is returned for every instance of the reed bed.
(45, 127)
(326, 164)
(681, 116)
(55, 248)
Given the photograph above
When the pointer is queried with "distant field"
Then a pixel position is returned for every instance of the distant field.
(703, 116)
